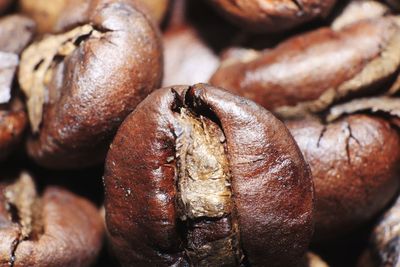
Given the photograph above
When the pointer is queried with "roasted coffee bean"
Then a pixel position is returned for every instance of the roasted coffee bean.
(81, 84)
(56, 15)
(53, 229)
(15, 33)
(355, 167)
(198, 176)
(272, 16)
(309, 72)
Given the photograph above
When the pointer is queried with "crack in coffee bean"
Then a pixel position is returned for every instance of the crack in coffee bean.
(56, 228)
(354, 161)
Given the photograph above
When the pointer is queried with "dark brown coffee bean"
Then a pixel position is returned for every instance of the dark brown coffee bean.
(54, 229)
(272, 16)
(355, 167)
(311, 71)
(196, 175)
(81, 84)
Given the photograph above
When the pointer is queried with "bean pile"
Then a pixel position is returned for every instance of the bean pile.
(200, 133)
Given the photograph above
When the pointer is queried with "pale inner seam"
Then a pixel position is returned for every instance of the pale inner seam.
(204, 188)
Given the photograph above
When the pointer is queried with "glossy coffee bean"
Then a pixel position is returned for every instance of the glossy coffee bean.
(309, 72)
(199, 176)
(82, 83)
(355, 167)
(56, 228)
(272, 16)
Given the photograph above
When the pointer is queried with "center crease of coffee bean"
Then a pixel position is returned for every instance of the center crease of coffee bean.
(24, 207)
(204, 192)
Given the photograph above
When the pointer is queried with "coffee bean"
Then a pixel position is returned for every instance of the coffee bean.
(198, 176)
(56, 228)
(82, 83)
(354, 162)
(272, 16)
(310, 72)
